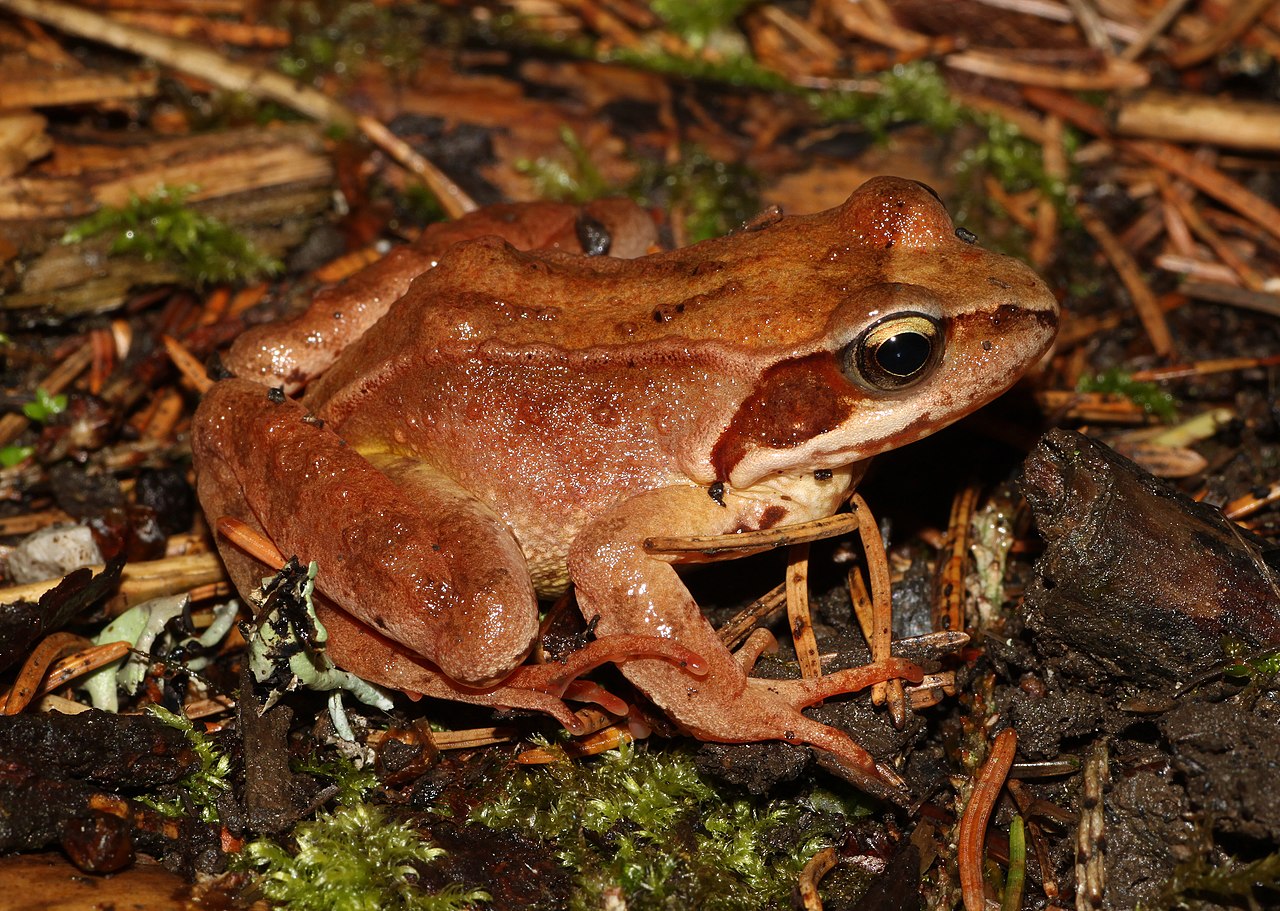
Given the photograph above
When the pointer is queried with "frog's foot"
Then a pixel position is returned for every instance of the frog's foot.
(414, 557)
(633, 592)
(841, 751)
(812, 690)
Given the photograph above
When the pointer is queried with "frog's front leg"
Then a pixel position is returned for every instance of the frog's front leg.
(634, 592)
(431, 568)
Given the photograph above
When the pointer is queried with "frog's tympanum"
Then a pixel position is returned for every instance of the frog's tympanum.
(519, 421)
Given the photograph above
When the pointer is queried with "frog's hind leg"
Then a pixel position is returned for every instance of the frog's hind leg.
(429, 567)
(364, 652)
(635, 592)
(356, 648)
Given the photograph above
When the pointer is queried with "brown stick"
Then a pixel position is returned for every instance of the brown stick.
(759, 611)
(203, 63)
(1240, 16)
(42, 657)
(818, 866)
(139, 581)
(1203, 177)
(1159, 22)
(829, 527)
(1199, 119)
(1144, 301)
(1206, 232)
(881, 640)
(948, 602)
(1117, 74)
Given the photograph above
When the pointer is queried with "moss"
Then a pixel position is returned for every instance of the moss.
(1197, 884)
(162, 227)
(1016, 162)
(354, 858)
(44, 407)
(577, 181)
(333, 38)
(420, 205)
(716, 196)
(917, 93)
(1154, 400)
(736, 70)
(353, 783)
(201, 789)
(697, 22)
(1256, 666)
(645, 822)
(909, 93)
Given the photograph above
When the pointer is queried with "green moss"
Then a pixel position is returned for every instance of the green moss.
(335, 38)
(353, 783)
(736, 70)
(697, 22)
(645, 822)
(578, 180)
(909, 93)
(420, 205)
(917, 93)
(162, 227)
(717, 197)
(201, 788)
(1015, 161)
(1196, 884)
(44, 406)
(1154, 400)
(355, 858)
(14, 454)
(1251, 665)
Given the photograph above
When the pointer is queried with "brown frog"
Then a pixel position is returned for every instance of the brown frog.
(518, 422)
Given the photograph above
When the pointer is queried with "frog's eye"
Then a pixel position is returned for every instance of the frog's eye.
(894, 353)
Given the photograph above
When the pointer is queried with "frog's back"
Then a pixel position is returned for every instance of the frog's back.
(770, 289)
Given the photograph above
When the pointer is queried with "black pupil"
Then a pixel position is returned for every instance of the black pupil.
(903, 354)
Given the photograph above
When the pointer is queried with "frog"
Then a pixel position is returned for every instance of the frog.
(520, 422)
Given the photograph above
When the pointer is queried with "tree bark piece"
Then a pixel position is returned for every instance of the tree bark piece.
(1138, 582)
